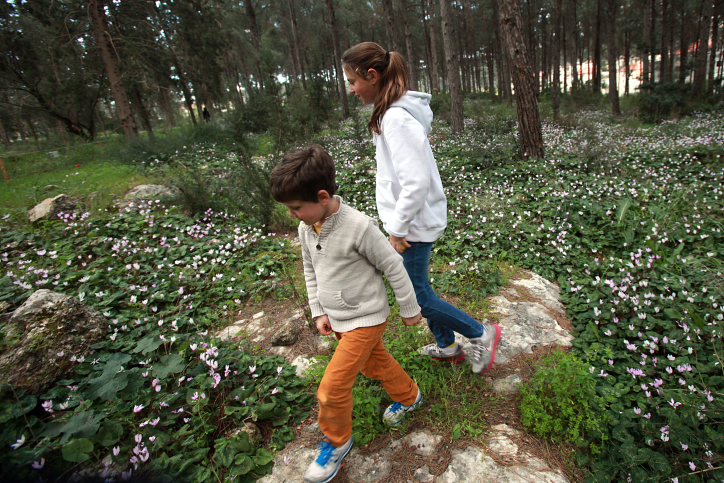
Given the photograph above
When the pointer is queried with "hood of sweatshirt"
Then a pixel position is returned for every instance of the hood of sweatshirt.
(418, 105)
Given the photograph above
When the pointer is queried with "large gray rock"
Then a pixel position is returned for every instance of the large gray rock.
(287, 335)
(49, 208)
(44, 336)
(145, 196)
(290, 465)
(154, 192)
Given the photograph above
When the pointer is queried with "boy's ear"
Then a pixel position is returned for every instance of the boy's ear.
(323, 197)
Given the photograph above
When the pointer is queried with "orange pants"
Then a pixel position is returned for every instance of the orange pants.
(358, 350)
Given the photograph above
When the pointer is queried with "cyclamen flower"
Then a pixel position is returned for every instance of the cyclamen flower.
(48, 405)
(138, 408)
(38, 465)
(19, 442)
(116, 450)
(274, 391)
(692, 465)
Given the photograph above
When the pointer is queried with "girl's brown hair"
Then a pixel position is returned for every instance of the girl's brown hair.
(392, 72)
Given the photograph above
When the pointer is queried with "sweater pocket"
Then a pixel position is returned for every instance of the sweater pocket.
(335, 305)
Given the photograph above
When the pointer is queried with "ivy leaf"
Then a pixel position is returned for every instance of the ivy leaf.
(110, 434)
(168, 364)
(77, 450)
(85, 425)
(148, 344)
(263, 457)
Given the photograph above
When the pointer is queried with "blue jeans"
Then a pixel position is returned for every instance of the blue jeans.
(442, 318)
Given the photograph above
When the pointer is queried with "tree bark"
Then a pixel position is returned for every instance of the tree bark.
(113, 72)
(453, 67)
(394, 41)
(433, 49)
(664, 75)
(529, 125)
(627, 59)
(293, 22)
(255, 40)
(645, 41)
(683, 45)
(557, 58)
(612, 56)
(137, 98)
(491, 71)
(652, 40)
(412, 71)
(597, 51)
(338, 59)
(703, 44)
(714, 42)
(167, 107)
(574, 14)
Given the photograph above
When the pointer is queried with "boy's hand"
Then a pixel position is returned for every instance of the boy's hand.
(399, 243)
(410, 321)
(323, 325)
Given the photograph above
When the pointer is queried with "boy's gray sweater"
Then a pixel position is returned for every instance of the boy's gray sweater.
(343, 268)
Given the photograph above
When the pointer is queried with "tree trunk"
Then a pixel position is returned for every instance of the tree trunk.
(4, 135)
(293, 22)
(627, 59)
(557, 58)
(412, 71)
(703, 44)
(647, 36)
(393, 40)
(597, 51)
(612, 56)
(531, 134)
(574, 60)
(652, 40)
(137, 102)
(534, 54)
(428, 51)
(255, 40)
(491, 71)
(453, 67)
(338, 59)
(113, 72)
(167, 107)
(683, 45)
(714, 42)
(433, 49)
(664, 75)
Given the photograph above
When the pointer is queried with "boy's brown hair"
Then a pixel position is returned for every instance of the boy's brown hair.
(302, 174)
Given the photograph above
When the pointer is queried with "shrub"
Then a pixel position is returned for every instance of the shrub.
(561, 400)
(660, 101)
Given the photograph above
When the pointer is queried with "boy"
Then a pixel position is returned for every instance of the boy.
(345, 255)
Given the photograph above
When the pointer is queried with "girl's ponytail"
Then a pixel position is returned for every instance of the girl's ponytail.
(392, 72)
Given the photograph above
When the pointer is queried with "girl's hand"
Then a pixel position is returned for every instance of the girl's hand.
(399, 243)
(323, 325)
(410, 321)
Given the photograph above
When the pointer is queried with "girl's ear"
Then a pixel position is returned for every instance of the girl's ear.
(374, 76)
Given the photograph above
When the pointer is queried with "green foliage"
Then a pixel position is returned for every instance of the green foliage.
(659, 101)
(561, 400)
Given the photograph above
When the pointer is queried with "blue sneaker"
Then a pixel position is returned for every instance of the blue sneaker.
(396, 412)
(327, 463)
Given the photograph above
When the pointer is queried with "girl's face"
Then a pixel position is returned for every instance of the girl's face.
(365, 89)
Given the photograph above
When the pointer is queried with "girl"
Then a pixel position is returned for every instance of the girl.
(410, 199)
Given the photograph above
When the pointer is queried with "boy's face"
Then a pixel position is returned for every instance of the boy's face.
(307, 211)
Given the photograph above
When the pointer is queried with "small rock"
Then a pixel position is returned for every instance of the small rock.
(4, 307)
(508, 384)
(312, 429)
(423, 475)
(324, 342)
(287, 335)
(422, 442)
(302, 364)
(367, 469)
(228, 333)
(258, 315)
(50, 188)
(49, 208)
(252, 430)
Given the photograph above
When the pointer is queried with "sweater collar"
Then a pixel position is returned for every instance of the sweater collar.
(333, 220)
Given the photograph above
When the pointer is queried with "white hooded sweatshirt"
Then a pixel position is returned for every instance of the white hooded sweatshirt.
(410, 199)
